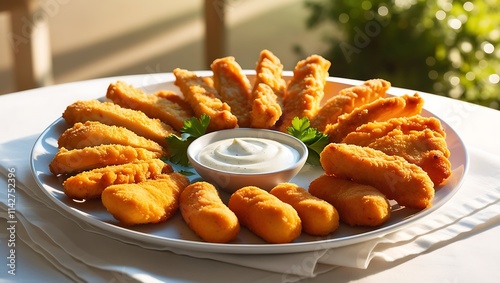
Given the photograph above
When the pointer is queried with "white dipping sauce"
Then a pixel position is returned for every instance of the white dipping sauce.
(248, 155)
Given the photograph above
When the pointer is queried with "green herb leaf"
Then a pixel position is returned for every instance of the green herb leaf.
(311, 137)
(191, 130)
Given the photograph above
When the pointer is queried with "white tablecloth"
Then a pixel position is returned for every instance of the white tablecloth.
(465, 247)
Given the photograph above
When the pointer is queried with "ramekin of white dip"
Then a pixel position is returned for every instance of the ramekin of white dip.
(234, 158)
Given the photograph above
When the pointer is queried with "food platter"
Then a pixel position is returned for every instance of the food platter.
(174, 233)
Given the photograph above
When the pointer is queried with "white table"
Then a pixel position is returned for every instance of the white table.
(471, 257)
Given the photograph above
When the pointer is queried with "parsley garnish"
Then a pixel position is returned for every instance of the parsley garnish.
(191, 130)
(311, 137)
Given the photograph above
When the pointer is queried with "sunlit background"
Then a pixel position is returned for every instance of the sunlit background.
(446, 47)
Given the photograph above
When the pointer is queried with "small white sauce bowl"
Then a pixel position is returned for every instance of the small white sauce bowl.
(230, 181)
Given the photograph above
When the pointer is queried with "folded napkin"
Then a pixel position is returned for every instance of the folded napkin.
(85, 253)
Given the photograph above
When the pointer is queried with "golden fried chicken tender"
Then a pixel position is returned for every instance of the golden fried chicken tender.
(395, 177)
(206, 214)
(169, 107)
(268, 91)
(204, 99)
(381, 109)
(318, 217)
(265, 215)
(233, 88)
(419, 140)
(357, 204)
(150, 201)
(371, 131)
(92, 133)
(88, 158)
(113, 114)
(348, 99)
(90, 184)
(305, 90)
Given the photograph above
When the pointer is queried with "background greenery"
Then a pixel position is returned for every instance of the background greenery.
(446, 47)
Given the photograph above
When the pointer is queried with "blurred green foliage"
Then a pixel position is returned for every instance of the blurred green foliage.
(446, 47)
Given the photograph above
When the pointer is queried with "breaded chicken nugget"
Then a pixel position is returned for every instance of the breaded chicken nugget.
(305, 90)
(168, 107)
(319, 218)
(381, 109)
(90, 184)
(268, 91)
(204, 99)
(265, 215)
(88, 158)
(206, 214)
(233, 88)
(113, 114)
(348, 99)
(395, 177)
(150, 201)
(357, 204)
(92, 133)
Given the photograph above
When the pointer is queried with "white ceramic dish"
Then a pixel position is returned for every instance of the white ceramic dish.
(231, 181)
(174, 233)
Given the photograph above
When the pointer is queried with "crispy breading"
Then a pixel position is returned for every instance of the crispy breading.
(204, 99)
(395, 177)
(371, 131)
(318, 217)
(357, 204)
(269, 71)
(90, 184)
(92, 133)
(265, 215)
(381, 109)
(113, 114)
(206, 214)
(268, 91)
(348, 99)
(305, 90)
(233, 88)
(88, 158)
(419, 140)
(150, 201)
(266, 110)
(169, 107)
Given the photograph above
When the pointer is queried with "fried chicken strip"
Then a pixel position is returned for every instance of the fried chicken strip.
(265, 215)
(169, 107)
(348, 99)
(381, 109)
(318, 217)
(357, 204)
(206, 214)
(305, 90)
(90, 184)
(204, 99)
(113, 114)
(419, 140)
(150, 201)
(233, 88)
(395, 177)
(88, 158)
(92, 133)
(268, 91)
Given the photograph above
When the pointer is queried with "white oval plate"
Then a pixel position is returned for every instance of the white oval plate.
(174, 233)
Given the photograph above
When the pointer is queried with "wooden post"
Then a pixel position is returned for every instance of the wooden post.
(30, 44)
(215, 30)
